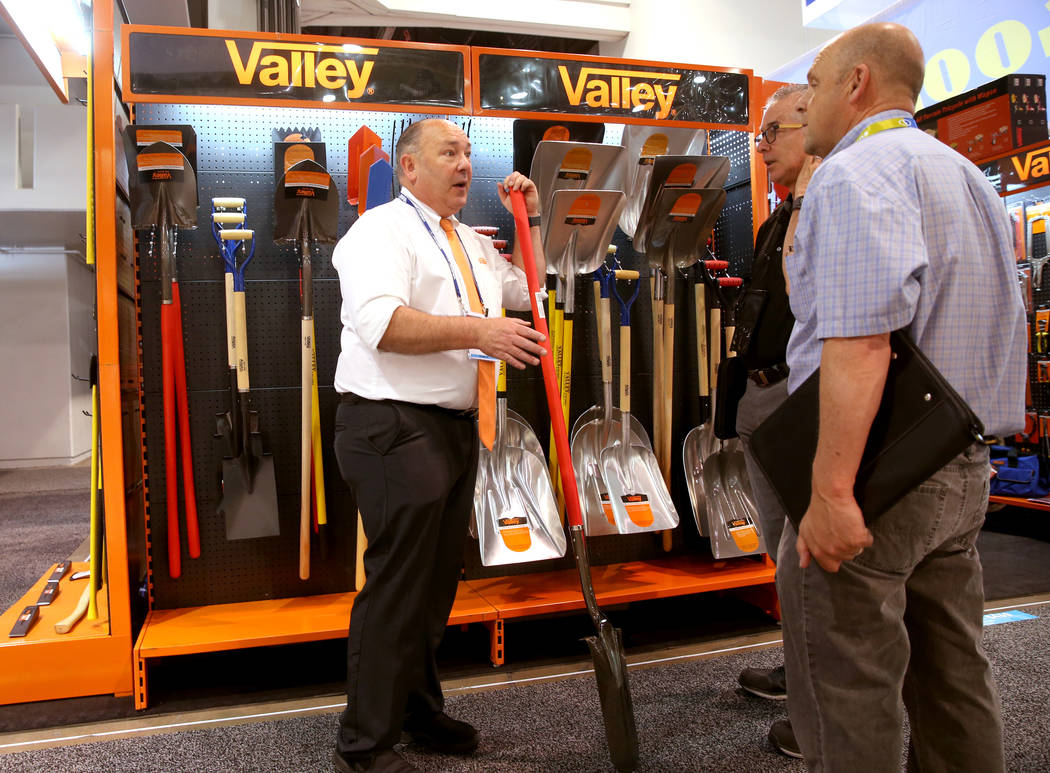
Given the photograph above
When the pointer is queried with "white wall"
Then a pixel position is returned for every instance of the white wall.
(759, 35)
(46, 297)
(37, 405)
(59, 164)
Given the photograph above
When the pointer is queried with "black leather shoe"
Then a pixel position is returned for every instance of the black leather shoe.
(783, 739)
(441, 733)
(386, 761)
(767, 683)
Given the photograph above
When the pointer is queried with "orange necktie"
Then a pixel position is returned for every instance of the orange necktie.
(486, 368)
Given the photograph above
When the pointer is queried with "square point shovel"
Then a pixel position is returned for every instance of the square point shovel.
(249, 487)
(610, 664)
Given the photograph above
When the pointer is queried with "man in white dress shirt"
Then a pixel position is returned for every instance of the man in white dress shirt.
(422, 297)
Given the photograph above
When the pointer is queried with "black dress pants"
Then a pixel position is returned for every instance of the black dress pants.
(412, 470)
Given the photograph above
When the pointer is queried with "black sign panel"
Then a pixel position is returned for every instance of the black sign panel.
(256, 67)
(611, 89)
(1024, 169)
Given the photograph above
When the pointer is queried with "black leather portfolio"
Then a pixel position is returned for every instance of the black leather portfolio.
(921, 425)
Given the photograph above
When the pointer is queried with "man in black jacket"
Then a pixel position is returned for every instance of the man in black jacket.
(764, 323)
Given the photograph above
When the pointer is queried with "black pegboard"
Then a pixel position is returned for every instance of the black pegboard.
(733, 235)
(235, 159)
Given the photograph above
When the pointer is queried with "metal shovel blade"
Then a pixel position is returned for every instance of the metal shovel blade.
(574, 166)
(695, 450)
(528, 133)
(588, 441)
(731, 516)
(682, 219)
(610, 668)
(597, 413)
(579, 228)
(637, 492)
(614, 694)
(162, 178)
(306, 191)
(643, 144)
(677, 171)
(518, 519)
(516, 514)
(250, 506)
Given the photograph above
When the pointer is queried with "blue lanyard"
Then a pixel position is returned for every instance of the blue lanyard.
(448, 262)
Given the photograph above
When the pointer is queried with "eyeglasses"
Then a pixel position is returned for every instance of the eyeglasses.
(769, 134)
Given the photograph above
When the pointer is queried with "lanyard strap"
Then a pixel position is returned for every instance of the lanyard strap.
(888, 123)
(451, 271)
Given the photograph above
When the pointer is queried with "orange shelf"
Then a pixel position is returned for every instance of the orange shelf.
(45, 665)
(272, 621)
(1020, 502)
(538, 594)
(43, 629)
(220, 627)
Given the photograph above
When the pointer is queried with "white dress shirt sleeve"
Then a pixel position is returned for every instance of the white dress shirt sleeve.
(375, 277)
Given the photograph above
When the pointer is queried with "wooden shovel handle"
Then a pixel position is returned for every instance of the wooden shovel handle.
(701, 338)
(315, 435)
(240, 320)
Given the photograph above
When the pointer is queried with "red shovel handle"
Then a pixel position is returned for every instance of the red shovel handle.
(171, 482)
(189, 494)
(550, 382)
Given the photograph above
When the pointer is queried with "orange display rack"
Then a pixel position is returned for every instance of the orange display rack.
(491, 602)
(93, 658)
(105, 656)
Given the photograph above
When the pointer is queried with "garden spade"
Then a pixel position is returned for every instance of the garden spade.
(306, 209)
(249, 488)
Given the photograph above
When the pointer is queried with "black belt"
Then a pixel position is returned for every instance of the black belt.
(768, 376)
(349, 398)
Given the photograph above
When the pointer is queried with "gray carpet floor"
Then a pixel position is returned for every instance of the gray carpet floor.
(690, 717)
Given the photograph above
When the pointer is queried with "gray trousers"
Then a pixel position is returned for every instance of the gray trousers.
(900, 623)
(756, 404)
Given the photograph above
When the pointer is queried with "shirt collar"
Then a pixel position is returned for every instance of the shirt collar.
(429, 213)
(851, 136)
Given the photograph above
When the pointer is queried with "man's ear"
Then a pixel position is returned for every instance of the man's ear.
(858, 83)
(408, 168)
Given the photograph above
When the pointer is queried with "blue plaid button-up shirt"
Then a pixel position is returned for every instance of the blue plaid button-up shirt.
(898, 230)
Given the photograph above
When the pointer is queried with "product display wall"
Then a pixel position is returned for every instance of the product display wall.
(235, 158)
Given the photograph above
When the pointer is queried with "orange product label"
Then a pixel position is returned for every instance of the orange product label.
(686, 207)
(638, 509)
(655, 145)
(558, 133)
(576, 165)
(514, 531)
(149, 136)
(681, 176)
(297, 153)
(585, 205)
(148, 162)
(295, 179)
